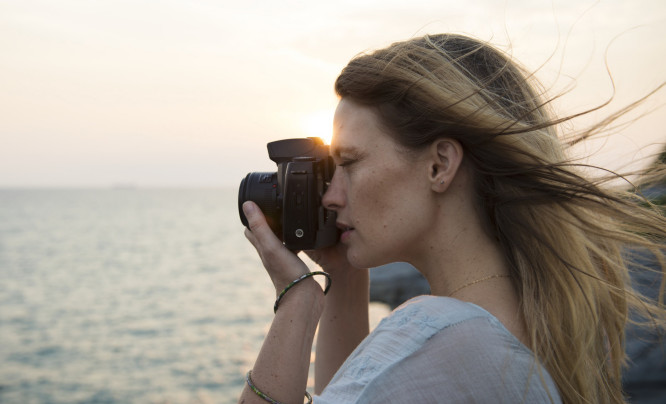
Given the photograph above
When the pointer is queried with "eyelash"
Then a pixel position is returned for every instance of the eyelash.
(346, 163)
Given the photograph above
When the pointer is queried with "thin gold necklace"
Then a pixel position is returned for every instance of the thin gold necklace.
(477, 281)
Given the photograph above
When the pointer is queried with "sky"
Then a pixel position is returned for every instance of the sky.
(186, 93)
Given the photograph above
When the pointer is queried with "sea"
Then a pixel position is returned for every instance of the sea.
(128, 295)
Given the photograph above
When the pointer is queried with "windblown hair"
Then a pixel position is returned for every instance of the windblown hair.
(568, 240)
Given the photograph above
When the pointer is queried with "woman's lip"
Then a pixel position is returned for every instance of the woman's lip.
(342, 226)
(346, 234)
(345, 231)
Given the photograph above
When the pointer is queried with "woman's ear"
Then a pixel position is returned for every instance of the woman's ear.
(444, 161)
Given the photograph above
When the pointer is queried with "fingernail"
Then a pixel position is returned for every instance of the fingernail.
(248, 207)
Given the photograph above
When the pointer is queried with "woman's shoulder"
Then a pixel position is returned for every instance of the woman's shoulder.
(411, 325)
(425, 316)
(435, 345)
(435, 310)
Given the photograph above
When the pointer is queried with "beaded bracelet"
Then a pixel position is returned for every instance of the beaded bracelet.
(264, 396)
(309, 274)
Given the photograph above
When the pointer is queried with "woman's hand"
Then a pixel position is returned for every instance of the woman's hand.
(282, 265)
(344, 321)
(281, 369)
(331, 259)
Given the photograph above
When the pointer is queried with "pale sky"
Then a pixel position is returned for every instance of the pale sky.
(187, 93)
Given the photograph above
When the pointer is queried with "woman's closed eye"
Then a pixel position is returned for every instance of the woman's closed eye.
(346, 162)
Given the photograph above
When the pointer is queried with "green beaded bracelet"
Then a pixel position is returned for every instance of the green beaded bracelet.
(309, 274)
(264, 396)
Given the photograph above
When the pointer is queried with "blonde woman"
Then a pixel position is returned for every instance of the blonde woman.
(448, 159)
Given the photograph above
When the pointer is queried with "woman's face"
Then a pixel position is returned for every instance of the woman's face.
(380, 194)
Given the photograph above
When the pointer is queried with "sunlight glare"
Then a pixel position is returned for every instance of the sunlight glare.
(319, 124)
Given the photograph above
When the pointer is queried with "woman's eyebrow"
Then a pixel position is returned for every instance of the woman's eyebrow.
(337, 151)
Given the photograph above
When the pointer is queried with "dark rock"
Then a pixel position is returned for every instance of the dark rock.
(395, 283)
(644, 379)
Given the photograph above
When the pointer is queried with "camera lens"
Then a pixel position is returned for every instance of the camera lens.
(261, 188)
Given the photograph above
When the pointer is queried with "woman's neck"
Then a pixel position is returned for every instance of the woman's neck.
(461, 260)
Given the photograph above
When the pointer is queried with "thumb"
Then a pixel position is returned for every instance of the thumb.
(261, 231)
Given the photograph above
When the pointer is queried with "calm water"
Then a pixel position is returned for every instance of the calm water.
(127, 296)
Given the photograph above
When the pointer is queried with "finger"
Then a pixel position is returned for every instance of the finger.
(250, 236)
(263, 236)
(257, 247)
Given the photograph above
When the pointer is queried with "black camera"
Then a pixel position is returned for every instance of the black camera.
(291, 197)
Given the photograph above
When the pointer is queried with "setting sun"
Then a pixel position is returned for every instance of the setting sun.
(319, 124)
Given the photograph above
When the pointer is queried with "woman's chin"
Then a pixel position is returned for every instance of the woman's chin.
(360, 260)
(356, 260)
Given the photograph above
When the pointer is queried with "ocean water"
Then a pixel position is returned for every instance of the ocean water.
(127, 296)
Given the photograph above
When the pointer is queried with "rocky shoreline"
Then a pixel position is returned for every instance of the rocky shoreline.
(395, 283)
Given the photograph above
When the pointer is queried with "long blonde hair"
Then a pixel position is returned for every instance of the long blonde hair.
(568, 239)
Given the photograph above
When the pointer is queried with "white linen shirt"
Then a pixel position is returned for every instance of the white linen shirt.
(440, 350)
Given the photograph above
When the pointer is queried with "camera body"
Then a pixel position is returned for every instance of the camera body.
(291, 197)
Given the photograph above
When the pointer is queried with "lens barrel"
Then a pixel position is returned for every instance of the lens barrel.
(261, 188)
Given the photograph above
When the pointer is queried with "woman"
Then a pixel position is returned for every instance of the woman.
(447, 158)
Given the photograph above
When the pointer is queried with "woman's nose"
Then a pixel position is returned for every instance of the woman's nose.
(334, 197)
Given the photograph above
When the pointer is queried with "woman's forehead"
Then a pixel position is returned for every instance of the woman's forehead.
(354, 125)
